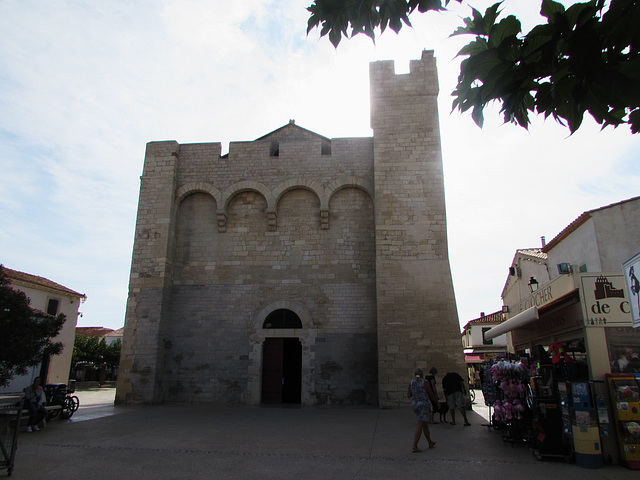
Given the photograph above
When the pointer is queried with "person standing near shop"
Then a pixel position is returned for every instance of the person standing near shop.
(420, 392)
(455, 390)
(477, 383)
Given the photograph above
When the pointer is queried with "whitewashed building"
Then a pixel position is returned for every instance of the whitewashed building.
(52, 298)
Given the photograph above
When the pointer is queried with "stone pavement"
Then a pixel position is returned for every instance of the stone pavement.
(231, 441)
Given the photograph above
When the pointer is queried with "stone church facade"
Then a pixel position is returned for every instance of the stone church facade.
(296, 268)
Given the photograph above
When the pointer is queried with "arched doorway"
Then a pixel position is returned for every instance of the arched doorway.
(281, 360)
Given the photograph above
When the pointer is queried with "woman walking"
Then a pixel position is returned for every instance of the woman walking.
(420, 392)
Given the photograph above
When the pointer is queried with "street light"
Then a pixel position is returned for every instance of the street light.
(533, 284)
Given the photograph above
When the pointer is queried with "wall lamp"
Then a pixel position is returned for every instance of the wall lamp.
(533, 284)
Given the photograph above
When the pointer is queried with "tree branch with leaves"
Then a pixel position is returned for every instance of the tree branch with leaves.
(95, 350)
(584, 59)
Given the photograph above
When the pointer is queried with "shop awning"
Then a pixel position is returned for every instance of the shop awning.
(474, 358)
(528, 316)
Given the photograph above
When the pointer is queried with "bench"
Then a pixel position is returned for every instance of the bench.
(24, 418)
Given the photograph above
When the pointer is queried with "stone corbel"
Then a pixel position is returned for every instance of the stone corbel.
(222, 221)
(324, 219)
(272, 220)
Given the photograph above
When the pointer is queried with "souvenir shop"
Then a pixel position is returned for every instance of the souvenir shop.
(569, 388)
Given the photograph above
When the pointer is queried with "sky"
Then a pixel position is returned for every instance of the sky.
(85, 85)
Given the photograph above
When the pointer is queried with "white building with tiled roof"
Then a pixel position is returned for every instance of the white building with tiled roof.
(114, 336)
(527, 271)
(109, 334)
(53, 298)
(477, 348)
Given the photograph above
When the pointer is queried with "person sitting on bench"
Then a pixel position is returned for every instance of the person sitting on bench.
(34, 400)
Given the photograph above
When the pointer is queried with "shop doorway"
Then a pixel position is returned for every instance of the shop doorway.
(281, 370)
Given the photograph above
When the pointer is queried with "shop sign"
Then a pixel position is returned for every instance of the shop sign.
(632, 280)
(604, 300)
(548, 293)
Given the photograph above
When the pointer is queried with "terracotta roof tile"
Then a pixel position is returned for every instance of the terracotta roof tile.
(491, 319)
(533, 252)
(573, 226)
(93, 331)
(28, 280)
(115, 333)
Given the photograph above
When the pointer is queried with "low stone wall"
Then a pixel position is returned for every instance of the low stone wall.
(89, 385)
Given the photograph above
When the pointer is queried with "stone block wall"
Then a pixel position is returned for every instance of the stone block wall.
(252, 229)
(416, 310)
(142, 357)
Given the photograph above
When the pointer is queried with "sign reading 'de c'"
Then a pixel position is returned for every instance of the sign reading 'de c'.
(604, 300)
(632, 280)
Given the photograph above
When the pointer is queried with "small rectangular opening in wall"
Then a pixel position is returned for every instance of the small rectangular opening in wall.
(52, 306)
(275, 149)
(402, 68)
(484, 340)
(326, 148)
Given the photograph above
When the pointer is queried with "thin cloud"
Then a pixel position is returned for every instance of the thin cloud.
(86, 85)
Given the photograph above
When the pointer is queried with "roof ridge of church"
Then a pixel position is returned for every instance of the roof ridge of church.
(291, 124)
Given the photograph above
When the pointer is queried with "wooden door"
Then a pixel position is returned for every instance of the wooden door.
(272, 378)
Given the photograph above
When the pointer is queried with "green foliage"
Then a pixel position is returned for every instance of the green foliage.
(585, 58)
(25, 333)
(95, 350)
(363, 16)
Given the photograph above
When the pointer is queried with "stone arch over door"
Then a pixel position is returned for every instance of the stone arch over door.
(259, 335)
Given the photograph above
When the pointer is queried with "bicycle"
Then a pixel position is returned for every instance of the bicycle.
(60, 394)
(472, 394)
